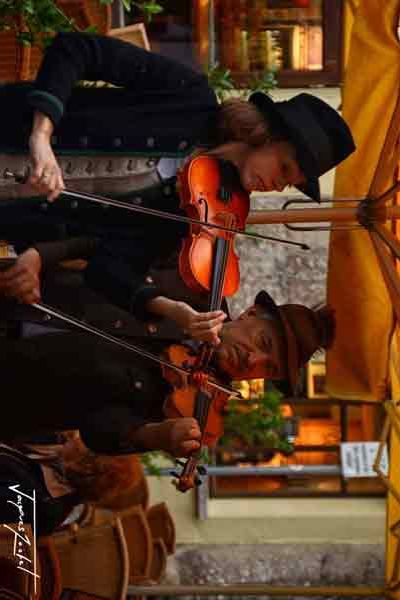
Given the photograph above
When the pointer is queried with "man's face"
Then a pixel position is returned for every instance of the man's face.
(251, 347)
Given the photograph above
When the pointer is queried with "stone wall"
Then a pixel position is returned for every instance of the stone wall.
(287, 272)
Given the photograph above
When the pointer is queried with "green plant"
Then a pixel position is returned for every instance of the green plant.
(148, 8)
(256, 422)
(151, 462)
(35, 21)
(32, 20)
(222, 82)
(264, 83)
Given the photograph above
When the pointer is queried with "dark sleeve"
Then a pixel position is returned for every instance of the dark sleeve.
(120, 267)
(109, 430)
(122, 284)
(85, 56)
(53, 252)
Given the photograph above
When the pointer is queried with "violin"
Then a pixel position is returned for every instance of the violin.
(193, 397)
(207, 260)
(182, 403)
(207, 263)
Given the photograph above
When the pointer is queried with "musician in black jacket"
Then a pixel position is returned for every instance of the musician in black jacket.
(159, 109)
(71, 380)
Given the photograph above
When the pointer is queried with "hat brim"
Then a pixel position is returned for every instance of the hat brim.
(266, 301)
(311, 189)
(267, 106)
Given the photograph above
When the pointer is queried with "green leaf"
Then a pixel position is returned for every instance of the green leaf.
(127, 5)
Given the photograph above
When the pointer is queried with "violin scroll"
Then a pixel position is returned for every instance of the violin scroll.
(190, 474)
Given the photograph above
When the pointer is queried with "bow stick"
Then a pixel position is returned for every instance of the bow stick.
(76, 194)
(49, 310)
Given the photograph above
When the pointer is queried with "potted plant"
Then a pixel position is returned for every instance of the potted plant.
(254, 429)
(27, 25)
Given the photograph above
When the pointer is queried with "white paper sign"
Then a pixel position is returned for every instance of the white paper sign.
(358, 458)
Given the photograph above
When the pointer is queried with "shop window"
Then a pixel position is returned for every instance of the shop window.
(317, 425)
(299, 37)
(248, 37)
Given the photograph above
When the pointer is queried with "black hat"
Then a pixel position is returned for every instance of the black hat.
(321, 137)
(305, 330)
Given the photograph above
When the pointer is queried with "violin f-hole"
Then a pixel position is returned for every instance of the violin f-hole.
(204, 201)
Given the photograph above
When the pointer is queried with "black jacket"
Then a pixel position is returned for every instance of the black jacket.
(161, 107)
(75, 381)
(70, 380)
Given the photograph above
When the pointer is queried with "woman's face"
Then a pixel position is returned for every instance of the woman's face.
(270, 167)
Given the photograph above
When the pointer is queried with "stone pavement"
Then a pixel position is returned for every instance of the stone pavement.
(279, 564)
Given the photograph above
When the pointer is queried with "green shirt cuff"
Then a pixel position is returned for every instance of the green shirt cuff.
(46, 103)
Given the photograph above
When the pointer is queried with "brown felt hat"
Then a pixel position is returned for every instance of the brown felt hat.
(305, 331)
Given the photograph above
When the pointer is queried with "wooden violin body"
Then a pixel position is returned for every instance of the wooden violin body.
(206, 197)
(184, 400)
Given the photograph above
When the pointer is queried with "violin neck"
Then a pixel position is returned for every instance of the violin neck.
(201, 408)
(221, 253)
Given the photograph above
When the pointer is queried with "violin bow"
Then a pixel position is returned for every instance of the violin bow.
(190, 469)
(78, 195)
(58, 314)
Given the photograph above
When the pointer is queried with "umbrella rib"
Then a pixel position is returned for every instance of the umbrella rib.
(389, 238)
(386, 195)
(389, 272)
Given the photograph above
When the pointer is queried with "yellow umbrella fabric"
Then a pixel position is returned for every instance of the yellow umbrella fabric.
(357, 365)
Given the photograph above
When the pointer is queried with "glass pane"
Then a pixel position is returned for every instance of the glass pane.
(258, 35)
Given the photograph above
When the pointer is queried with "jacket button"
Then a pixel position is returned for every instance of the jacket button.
(117, 142)
(138, 385)
(167, 190)
(149, 279)
(84, 141)
(74, 204)
(182, 145)
(44, 206)
(118, 324)
(137, 200)
(150, 142)
(151, 328)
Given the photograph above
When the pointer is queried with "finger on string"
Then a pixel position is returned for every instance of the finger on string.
(190, 446)
(208, 316)
(206, 326)
(195, 433)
